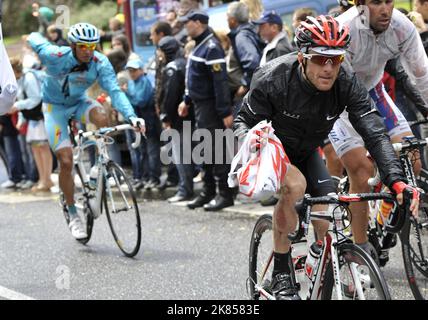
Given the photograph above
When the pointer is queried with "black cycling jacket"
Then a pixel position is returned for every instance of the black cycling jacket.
(302, 116)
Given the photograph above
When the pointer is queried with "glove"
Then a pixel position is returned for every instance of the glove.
(138, 123)
(399, 187)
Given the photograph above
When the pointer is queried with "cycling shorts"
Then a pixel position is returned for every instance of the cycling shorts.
(344, 137)
(57, 117)
(318, 180)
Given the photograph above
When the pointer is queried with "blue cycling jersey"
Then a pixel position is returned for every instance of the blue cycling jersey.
(66, 81)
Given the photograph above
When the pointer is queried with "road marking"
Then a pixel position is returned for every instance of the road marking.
(13, 295)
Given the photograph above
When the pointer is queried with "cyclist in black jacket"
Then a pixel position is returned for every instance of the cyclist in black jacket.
(303, 95)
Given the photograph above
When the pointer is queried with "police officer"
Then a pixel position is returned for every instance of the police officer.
(207, 89)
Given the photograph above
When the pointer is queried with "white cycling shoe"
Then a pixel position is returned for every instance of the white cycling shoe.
(77, 229)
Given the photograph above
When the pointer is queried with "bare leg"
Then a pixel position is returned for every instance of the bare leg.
(359, 169)
(38, 160)
(285, 215)
(66, 183)
(47, 165)
(333, 163)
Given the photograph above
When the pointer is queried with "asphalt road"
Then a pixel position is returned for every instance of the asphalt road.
(184, 254)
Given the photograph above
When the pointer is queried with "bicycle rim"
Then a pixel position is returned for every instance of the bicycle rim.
(82, 206)
(122, 210)
(260, 257)
(360, 277)
(414, 244)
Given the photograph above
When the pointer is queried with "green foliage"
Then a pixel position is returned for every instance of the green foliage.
(97, 15)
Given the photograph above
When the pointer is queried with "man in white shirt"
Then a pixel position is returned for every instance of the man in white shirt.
(379, 33)
(271, 31)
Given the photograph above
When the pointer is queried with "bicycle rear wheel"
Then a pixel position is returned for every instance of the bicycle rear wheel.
(122, 210)
(414, 245)
(360, 276)
(81, 197)
(260, 258)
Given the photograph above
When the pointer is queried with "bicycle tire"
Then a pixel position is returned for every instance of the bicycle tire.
(81, 197)
(122, 234)
(350, 251)
(263, 224)
(416, 269)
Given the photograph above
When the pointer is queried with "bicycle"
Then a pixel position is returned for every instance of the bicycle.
(413, 232)
(343, 270)
(112, 190)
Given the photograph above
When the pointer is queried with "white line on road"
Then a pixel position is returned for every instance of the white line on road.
(12, 295)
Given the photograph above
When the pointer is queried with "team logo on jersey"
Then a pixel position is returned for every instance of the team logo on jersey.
(217, 67)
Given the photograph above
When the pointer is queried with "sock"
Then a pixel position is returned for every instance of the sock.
(72, 211)
(281, 263)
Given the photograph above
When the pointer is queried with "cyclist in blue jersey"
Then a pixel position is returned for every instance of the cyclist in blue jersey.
(70, 72)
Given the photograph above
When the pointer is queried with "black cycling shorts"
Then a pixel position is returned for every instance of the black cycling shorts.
(318, 180)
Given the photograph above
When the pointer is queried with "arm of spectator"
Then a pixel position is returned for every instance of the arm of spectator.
(248, 56)
(108, 82)
(32, 92)
(217, 64)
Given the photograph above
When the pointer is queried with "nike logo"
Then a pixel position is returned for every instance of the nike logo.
(331, 118)
(322, 181)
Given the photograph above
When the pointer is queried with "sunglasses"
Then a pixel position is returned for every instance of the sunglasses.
(87, 46)
(323, 60)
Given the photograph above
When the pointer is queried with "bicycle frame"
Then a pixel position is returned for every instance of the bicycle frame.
(333, 239)
(101, 137)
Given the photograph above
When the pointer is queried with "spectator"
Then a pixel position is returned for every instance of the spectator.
(421, 6)
(141, 95)
(12, 150)
(158, 31)
(247, 45)
(30, 105)
(173, 91)
(255, 8)
(55, 36)
(270, 30)
(44, 15)
(118, 60)
(121, 42)
(180, 32)
(171, 18)
(116, 28)
(207, 92)
(300, 15)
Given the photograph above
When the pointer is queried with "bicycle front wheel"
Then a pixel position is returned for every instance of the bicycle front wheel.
(414, 245)
(122, 210)
(359, 275)
(260, 258)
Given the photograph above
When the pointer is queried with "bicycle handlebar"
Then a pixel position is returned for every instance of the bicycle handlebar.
(417, 122)
(105, 131)
(303, 207)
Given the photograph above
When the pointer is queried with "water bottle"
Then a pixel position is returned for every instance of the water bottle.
(311, 266)
(384, 211)
(299, 251)
(93, 176)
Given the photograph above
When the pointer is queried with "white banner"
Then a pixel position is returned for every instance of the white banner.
(8, 85)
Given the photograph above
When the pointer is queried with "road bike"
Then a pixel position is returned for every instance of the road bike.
(110, 192)
(343, 271)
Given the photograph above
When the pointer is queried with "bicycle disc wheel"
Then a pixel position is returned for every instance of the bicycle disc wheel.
(122, 210)
(414, 245)
(261, 257)
(360, 276)
(81, 197)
